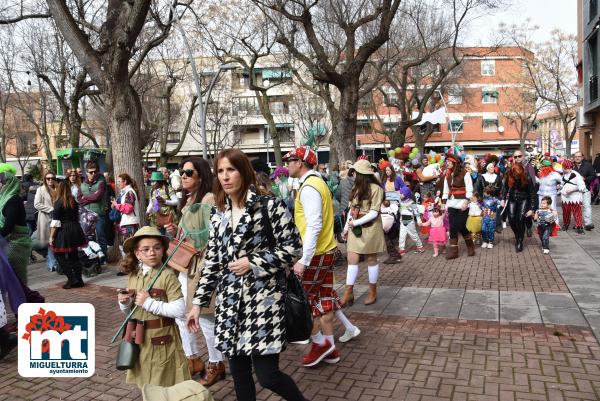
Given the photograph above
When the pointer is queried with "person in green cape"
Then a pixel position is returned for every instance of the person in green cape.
(13, 225)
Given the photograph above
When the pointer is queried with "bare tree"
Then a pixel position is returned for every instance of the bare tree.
(334, 40)
(552, 73)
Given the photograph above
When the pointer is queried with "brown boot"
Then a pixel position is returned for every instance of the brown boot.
(196, 366)
(371, 294)
(452, 251)
(348, 297)
(215, 371)
(470, 245)
(393, 254)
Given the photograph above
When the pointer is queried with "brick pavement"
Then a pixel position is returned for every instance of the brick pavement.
(500, 268)
(395, 358)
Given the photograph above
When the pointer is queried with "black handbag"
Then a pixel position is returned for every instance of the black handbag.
(128, 355)
(298, 315)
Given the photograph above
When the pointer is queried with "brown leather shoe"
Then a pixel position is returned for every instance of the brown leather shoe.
(371, 294)
(470, 245)
(348, 297)
(215, 371)
(196, 366)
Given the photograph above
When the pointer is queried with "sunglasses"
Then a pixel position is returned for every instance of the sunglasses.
(91, 172)
(187, 172)
(50, 178)
(293, 159)
(518, 156)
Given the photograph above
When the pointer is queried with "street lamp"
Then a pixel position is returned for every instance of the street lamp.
(203, 109)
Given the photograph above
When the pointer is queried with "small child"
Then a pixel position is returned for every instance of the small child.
(407, 221)
(490, 208)
(437, 231)
(389, 213)
(546, 218)
(474, 219)
(427, 204)
(161, 359)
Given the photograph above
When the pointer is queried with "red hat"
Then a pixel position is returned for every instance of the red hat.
(453, 157)
(304, 153)
(362, 157)
(567, 164)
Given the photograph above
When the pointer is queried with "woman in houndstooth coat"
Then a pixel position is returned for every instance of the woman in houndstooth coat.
(244, 266)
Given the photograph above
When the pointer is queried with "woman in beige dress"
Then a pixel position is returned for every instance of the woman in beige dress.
(364, 230)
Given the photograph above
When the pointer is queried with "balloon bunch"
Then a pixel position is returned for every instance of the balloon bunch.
(458, 150)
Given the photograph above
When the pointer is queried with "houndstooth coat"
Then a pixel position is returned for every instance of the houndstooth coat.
(250, 310)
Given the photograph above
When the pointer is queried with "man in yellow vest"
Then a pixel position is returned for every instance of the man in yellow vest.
(313, 215)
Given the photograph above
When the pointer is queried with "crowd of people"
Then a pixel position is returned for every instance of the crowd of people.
(250, 226)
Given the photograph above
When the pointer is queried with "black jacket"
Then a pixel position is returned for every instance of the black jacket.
(587, 172)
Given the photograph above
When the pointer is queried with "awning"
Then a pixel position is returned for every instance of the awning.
(276, 73)
(282, 125)
(68, 152)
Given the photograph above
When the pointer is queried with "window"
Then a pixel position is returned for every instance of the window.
(488, 67)
(489, 97)
(286, 134)
(279, 105)
(245, 106)
(173, 137)
(390, 99)
(490, 125)
(26, 143)
(240, 80)
(592, 45)
(435, 128)
(455, 125)
(365, 102)
(593, 10)
(455, 96)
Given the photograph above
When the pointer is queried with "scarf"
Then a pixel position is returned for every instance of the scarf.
(11, 187)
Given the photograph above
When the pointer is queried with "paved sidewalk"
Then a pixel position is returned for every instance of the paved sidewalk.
(396, 358)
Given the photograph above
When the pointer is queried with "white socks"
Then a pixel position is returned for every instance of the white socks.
(339, 315)
(330, 339)
(373, 273)
(351, 274)
(318, 338)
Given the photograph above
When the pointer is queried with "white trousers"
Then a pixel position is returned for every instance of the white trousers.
(411, 231)
(191, 342)
(587, 208)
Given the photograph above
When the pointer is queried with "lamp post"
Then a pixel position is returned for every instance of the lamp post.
(204, 109)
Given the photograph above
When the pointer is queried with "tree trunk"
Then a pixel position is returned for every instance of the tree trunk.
(333, 155)
(265, 110)
(398, 136)
(420, 141)
(345, 123)
(124, 111)
(74, 128)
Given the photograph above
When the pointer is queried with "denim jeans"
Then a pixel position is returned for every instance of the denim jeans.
(101, 232)
(51, 259)
(545, 231)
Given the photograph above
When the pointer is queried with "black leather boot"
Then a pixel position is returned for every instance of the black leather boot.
(7, 342)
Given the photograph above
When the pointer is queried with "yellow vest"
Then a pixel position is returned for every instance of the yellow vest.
(326, 241)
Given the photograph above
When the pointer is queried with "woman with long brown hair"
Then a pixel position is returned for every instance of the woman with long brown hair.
(243, 263)
(66, 235)
(363, 230)
(519, 196)
(195, 207)
(129, 207)
(43, 202)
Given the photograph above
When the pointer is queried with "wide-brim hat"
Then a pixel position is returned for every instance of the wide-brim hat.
(144, 232)
(157, 176)
(362, 167)
(454, 158)
(187, 390)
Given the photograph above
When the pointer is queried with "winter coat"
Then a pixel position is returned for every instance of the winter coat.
(250, 310)
(345, 188)
(30, 210)
(482, 182)
(572, 182)
(44, 204)
(586, 171)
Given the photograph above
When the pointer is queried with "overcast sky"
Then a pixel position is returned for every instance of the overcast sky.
(547, 14)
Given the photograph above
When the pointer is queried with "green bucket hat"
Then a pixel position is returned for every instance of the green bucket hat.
(157, 176)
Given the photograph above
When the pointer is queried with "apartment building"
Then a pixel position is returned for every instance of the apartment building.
(485, 104)
(588, 52)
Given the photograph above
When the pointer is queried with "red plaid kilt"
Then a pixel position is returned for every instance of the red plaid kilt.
(318, 284)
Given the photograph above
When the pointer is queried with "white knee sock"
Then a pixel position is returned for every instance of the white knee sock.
(339, 315)
(373, 274)
(318, 338)
(351, 274)
(331, 340)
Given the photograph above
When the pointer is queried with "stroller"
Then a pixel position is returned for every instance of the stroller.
(91, 258)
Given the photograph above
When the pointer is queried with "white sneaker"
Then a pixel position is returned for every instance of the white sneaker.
(503, 224)
(350, 334)
(490, 245)
(484, 244)
(546, 251)
(301, 342)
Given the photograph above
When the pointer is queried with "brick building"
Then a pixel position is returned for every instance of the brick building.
(486, 103)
